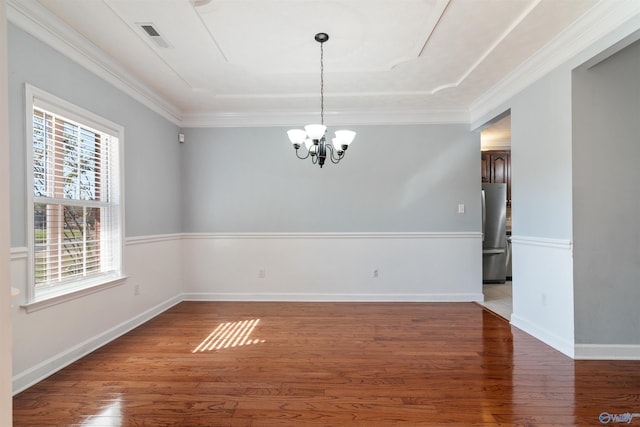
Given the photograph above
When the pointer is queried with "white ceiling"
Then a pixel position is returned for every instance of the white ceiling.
(256, 61)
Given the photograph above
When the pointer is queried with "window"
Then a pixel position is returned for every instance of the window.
(75, 199)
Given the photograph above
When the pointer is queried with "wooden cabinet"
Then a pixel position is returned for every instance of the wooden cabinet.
(496, 167)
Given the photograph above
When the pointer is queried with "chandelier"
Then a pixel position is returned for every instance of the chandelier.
(313, 136)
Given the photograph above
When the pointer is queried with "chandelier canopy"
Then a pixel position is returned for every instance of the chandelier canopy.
(313, 136)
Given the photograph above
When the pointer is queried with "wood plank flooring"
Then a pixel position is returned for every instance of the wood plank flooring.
(330, 364)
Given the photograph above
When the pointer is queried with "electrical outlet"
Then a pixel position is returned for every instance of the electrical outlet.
(136, 290)
(262, 273)
(375, 273)
(461, 208)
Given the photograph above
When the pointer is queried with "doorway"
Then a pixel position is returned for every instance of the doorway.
(495, 148)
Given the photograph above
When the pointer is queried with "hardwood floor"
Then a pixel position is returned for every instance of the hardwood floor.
(330, 364)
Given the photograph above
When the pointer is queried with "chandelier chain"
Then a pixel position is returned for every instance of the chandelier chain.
(322, 83)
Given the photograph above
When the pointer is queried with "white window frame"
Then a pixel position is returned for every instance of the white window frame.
(73, 289)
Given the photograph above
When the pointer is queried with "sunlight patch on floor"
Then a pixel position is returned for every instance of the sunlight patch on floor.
(230, 334)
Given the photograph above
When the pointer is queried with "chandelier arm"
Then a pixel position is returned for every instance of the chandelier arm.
(334, 159)
(303, 158)
(337, 160)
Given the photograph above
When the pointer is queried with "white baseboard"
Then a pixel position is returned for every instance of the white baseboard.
(544, 335)
(42, 370)
(325, 297)
(607, 352)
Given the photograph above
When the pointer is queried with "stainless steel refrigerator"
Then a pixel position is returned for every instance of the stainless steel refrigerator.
(494, 233)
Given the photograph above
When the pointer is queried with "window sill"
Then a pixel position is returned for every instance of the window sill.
(49, 301)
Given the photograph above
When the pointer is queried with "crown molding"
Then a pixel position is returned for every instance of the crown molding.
(34, 19)
(351, 118)
(602, 19)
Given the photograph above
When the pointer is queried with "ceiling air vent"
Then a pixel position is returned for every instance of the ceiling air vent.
(154, 35)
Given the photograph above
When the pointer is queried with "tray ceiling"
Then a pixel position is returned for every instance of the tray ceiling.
(253, 58)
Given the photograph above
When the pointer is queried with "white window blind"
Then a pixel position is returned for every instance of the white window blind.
(77, 236)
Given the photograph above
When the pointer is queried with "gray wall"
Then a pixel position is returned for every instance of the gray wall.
(541, 158)
(393, 179)
(606, 175)
(152, 167)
